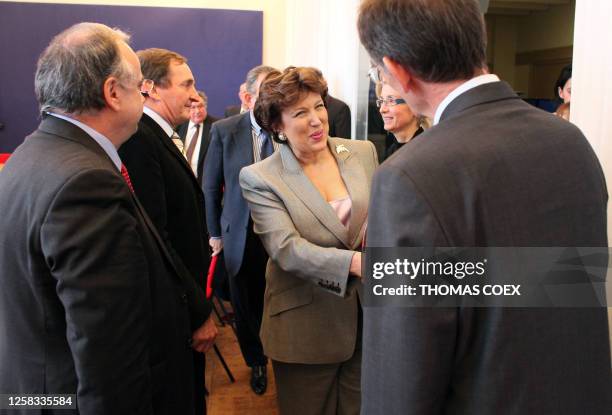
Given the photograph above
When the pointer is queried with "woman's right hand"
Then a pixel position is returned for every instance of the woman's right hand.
(355, 268)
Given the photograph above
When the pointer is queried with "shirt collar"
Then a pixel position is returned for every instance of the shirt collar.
(254, 124)
(102, 141)
(159, 120)
(193, 125)
(464, 87)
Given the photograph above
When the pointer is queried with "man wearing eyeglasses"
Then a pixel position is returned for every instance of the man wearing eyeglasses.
(166, 185)
(91, 301)
(492, 171)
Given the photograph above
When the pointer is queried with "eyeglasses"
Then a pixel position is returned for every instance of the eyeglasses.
(374, 74)
(146, 86)
(389, 102)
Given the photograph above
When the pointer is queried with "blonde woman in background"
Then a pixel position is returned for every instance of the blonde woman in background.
(398, 119)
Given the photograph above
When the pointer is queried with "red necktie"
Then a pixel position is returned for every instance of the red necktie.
(126, 177)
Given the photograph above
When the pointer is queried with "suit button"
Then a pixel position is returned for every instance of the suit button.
(184, 298)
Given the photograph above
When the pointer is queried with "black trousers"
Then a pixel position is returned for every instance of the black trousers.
(199, 369)
(247, 293)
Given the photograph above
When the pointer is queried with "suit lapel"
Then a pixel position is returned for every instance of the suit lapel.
(243, 144)
(171, 147)
(356, 183)
(304, 190)
(158, 239)
(70, 131)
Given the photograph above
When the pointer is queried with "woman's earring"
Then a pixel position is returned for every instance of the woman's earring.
(281, 136)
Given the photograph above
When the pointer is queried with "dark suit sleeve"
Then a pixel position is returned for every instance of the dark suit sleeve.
(143, 160)
(212, 184)
(407, 352)
(199, 306)
(92, 246)
(342, 122)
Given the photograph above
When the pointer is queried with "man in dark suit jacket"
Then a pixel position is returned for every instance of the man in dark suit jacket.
(339, 115)
(197, 127)
(91, 302)
(165, 183)
(492, 171)
(227, 215)
(232, 110)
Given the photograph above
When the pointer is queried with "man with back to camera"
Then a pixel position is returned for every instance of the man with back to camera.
(492, 171)
(166, 185)
(91, 302)
(237, 142)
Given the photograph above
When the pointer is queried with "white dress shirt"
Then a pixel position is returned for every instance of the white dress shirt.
(464, 87)
(159, 120)
(196, 151)
(166, 127)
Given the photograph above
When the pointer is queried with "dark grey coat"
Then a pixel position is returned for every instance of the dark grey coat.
(494, 172)
(90, 300)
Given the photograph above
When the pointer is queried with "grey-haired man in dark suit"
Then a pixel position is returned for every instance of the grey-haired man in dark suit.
(492, 171)
(91, 301)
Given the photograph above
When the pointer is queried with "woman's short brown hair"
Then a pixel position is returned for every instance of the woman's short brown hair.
(279, 92)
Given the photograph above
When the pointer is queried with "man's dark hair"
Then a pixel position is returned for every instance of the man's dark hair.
(564, 76)
(437, 40)
(155, 64)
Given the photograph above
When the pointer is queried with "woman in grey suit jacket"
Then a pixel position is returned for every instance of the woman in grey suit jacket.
(309, 206)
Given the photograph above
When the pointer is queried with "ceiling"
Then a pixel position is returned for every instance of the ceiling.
(522, 7)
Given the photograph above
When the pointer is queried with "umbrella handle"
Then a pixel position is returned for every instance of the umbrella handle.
(210, 276)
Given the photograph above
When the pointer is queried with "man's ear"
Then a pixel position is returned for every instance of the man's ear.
(112, 93)
(154, 93)
(401, 75)
(248, 98)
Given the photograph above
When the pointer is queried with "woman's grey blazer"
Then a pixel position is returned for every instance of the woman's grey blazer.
(310, 305)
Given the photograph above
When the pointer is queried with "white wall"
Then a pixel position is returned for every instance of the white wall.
(592, 83)
(323, 33)
(592, 86)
